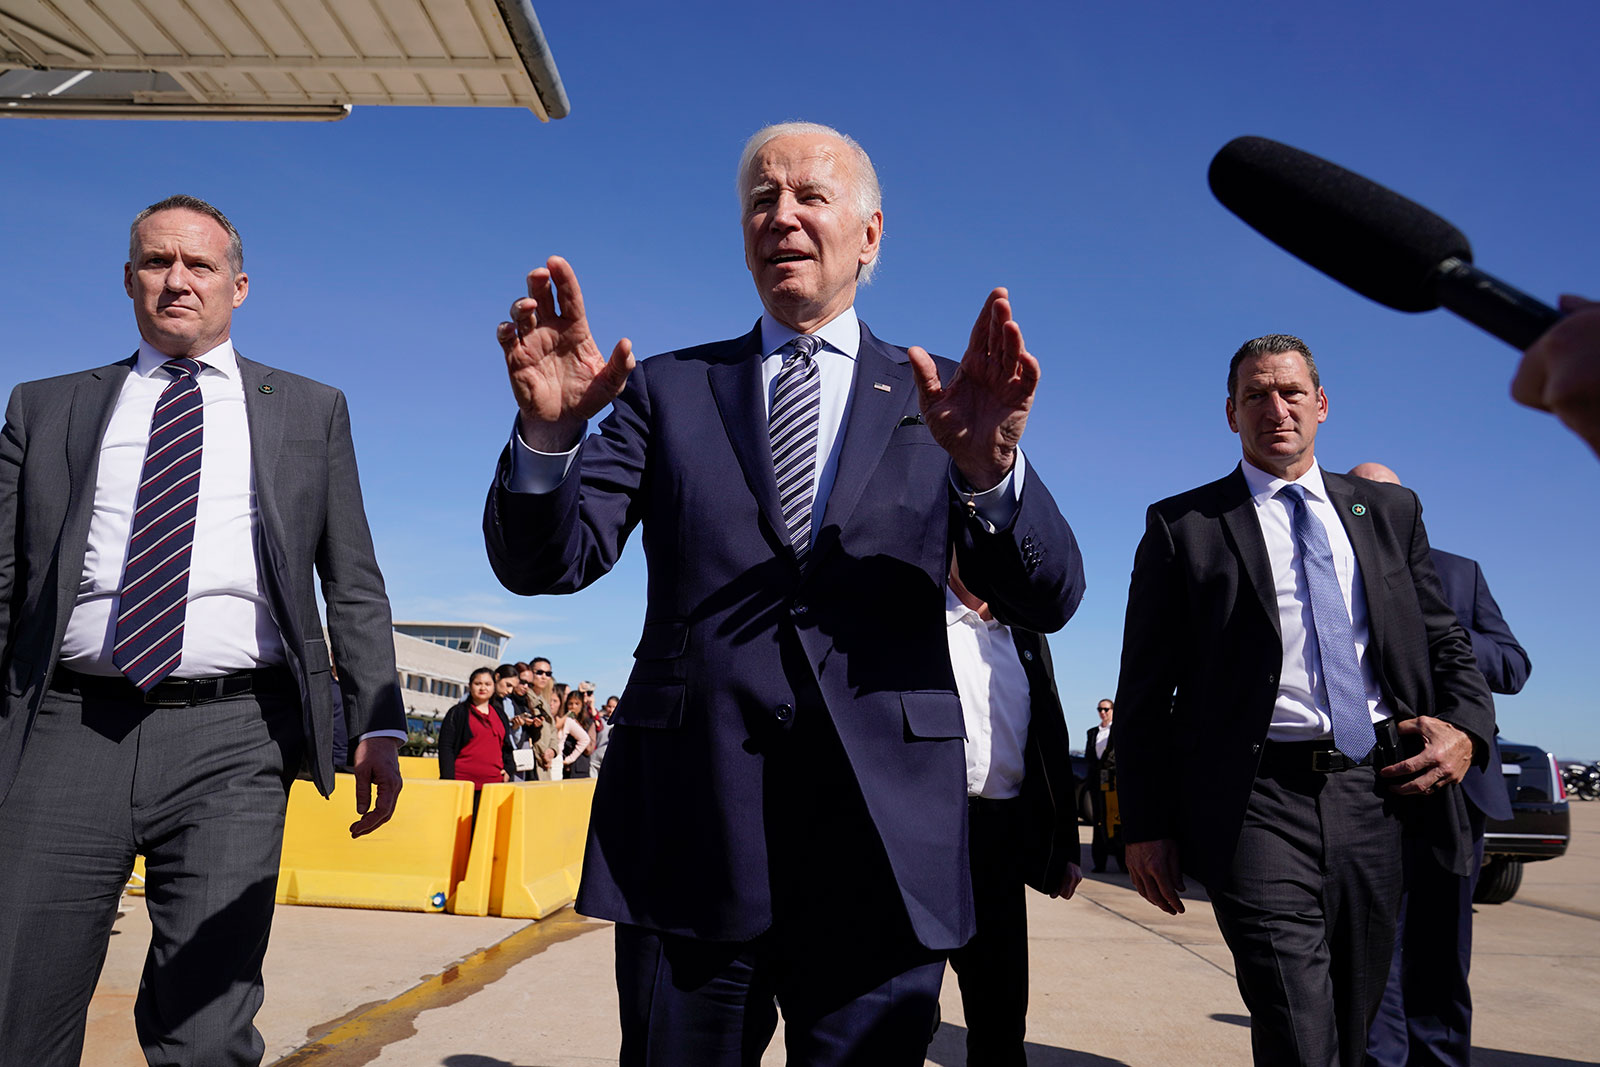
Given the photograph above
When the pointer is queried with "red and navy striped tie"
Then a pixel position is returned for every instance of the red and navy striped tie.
(155, 580)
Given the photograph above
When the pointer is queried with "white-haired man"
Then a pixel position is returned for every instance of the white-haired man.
(785, 817)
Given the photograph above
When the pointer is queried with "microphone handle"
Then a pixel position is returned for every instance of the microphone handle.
(1490, 304)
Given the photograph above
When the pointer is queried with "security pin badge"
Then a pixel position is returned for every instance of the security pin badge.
(264, 387)
(1358, 510)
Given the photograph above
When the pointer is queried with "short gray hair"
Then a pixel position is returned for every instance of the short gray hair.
(866, 195)
(180, 201)
(1271, 345)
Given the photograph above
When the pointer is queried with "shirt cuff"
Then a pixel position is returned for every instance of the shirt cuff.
(994, 507)
(533, 471)
(398, 735)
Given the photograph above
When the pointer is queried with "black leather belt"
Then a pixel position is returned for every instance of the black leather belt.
(1321, 757)
(174, 692)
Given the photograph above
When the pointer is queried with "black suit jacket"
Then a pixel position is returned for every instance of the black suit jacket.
(1501, 660)
(1093, 770)
(737, 633)
(311, 526)
(1201, 655)
(1050, 789)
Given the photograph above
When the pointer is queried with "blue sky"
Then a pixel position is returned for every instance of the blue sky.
(1059, 149)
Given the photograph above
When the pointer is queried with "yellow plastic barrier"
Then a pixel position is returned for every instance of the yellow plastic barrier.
(419, 767)
(528, 851)
(411, 863)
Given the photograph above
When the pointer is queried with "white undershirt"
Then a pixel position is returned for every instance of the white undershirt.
(1301, 710)
(1102, 735)
(995, 700)
(228, 625)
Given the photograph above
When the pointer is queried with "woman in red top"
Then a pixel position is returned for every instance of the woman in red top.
(473, 744)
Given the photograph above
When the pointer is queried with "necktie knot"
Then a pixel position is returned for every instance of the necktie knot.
(805, 346)
(183, 367)
(1295, 492)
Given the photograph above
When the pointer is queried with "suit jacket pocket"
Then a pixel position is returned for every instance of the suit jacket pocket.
(933, 714)
(659, 659)
(316, 655)
(650, 705)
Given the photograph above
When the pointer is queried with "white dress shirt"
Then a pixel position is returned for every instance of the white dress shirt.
(533, 471)
(1102, 735)
(228, 625)
(1301, 711)
(995, 699)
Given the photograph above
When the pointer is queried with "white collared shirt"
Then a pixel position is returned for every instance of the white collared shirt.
(228, 625)
(1102, 735)
(995, 699)
(1301, 710)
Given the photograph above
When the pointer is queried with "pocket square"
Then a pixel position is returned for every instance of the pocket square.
(913, 420)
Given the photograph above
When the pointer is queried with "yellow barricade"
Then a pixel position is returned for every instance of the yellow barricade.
(419, 767)
(410, 863)
(527, 853)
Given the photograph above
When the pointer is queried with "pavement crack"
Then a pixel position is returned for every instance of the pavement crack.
(1165, 937)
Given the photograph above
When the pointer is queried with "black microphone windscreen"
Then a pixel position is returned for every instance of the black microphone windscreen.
(1370, 238)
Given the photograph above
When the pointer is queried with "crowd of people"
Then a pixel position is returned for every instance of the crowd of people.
(518, 724)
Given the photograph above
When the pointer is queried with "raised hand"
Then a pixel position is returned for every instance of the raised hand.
(978, 418)
(557, 374)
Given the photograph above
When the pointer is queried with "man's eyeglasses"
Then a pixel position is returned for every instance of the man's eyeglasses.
(541, 674)
(1102, 709)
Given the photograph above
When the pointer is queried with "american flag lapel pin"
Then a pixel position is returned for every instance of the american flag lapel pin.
(880, 387)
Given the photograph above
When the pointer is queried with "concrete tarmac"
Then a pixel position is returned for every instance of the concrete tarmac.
(1114, 982)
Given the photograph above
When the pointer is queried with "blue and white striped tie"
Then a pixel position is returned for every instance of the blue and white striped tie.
(155, 579)
(1336, 644)
(792, 426)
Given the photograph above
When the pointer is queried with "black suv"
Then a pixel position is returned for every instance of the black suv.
(1539, 826)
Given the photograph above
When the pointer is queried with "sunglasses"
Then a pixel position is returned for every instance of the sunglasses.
(542, 674)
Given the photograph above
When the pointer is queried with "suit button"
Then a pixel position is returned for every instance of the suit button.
(783, 712)
(1255, 749)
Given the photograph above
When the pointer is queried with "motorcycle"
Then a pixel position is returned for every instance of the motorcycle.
(1582, 780)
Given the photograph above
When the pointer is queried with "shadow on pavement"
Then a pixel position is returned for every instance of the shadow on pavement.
(472, 1059)
(949, 1049)
(1499, 1057)
(1237, 1020)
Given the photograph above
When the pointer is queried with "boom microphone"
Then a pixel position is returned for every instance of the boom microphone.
(1372, 239)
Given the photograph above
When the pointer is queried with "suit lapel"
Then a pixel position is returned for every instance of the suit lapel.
(264, 406)
(1245, 529)
(871, 418)
(736, 387)
(93, 401)
(1346, 498)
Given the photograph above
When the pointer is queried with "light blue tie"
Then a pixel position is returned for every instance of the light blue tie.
(796, 411)
(1336, 645)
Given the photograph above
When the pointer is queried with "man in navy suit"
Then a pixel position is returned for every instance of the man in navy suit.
(1426, 1014)
(785, 814)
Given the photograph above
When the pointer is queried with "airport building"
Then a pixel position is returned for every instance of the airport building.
(434, 661)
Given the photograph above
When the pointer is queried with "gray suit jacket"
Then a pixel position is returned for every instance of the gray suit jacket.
(310, 515)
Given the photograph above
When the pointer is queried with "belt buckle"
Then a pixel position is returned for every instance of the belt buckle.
(1327, 761)
(154, 701)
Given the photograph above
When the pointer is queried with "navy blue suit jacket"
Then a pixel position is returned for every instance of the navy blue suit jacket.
(735, 628)
(1504, 664)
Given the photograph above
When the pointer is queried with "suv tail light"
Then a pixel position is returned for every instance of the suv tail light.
(1555, 776)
